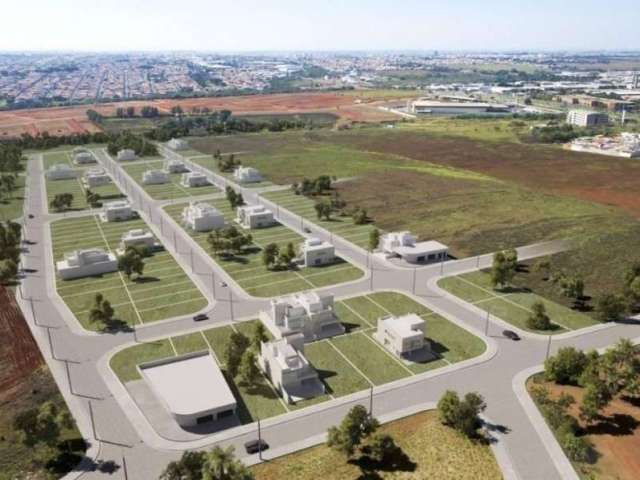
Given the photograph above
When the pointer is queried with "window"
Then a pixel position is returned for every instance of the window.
(225, 413)
(204, 419)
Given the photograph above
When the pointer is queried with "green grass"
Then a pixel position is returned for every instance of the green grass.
(339, 377)
(164, 291)
(11, 207)
(168, 190)
(249, 271)
(208, 162)
(124, 363)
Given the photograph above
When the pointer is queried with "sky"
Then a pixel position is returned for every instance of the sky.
(288, 25)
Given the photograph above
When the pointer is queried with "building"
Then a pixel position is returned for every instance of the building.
(96, 177)
(284, 363)
(86, 263)
(177, 144)
(403, 336)
(191, 388)
(138, 238)
(202, 217)
(126, 155)
(625, 145)
(585, 118)
(83, 157)
(246, 175)
(426, 106)
(194, 179)
(589, 101)
(309, 313)
(404, 245)
(60, 171)
(155, 177)
(254, 216)
(314, 252)
(175, 166)
(117, 211)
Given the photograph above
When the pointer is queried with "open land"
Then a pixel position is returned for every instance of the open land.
(164, 291)
(11, 207)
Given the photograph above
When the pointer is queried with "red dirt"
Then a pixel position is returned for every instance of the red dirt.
(19, 353)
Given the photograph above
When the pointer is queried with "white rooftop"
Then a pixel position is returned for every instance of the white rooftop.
(404, 326)
(429, 246)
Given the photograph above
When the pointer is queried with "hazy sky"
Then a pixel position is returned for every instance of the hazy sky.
(234, 25)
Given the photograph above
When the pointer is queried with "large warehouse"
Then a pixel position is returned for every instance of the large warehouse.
(425, 107)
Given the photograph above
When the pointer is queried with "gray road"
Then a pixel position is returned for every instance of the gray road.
(117, 438)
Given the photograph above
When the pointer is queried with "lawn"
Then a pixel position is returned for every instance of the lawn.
(11, 207)
(168, 190)
(249, 271)
(513, 304)
(433, 450)
(164, 291)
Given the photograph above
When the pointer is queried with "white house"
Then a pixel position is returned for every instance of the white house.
(309, 313)
(83, 157)
(155, 177)
(284, 363)
(194, 179)
(254, 216)
(126, 155)
(402, 336)
(175, 166)
(246, 175)
(177, 144)
(116, 211)
(60, 171)
(314, 252)
(202, 217)
(96, 177)
(85, 263)
(138, 238)
(404, 245)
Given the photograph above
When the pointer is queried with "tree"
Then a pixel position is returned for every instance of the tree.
(577, 449)
(291, 252)
(102, 311)
(235, 199)
(221, 464)
(596, 397)
(382, 448)
(354, 428)
(323, 209)
(238, 343)
(374, 239)
(462, 415)
(538, 318)
(248, 369)
(177, 110)
(259, 336)
(269, 254)
(93, 199)
(61, 201)
(543, 265)
(8, 270)
(502, 269)
(566, 366)
(41, 425)
(189, 467)
(610, 307)
(360, 216)
(131, 262)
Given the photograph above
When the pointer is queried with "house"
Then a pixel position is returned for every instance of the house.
(177, 144)
(403, 336)
(202, 217)
(138, 238)
(175, 166)
(191, 388)
(194, 179)
(155, 177)
(309, 313)
(404, 245)
(246, 175)
(83, 157)
(86, 263)
(60, 171)
(126, 155)
(314, 252)
(284, 363)
(96, 177)
(117, 211)
(584, 118)
(254, 216)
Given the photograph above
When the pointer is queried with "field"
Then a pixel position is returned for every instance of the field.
(249, 271)
(347, 363)
(168, 190)
(74, 186)
(11, 207)
(432, 450)
(615, 437)
(164, 291)
(513, 304)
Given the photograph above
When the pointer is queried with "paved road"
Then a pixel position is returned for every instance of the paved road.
(122, 431)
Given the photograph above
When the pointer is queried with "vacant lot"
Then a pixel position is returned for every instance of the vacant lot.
(11, 206)
(433, 451)
(164, 291)
(248, 269)
(346, 364)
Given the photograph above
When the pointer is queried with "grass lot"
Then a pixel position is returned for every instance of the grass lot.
(249, 271)
(74, 186)
(163, 292)
(433, 450)
(513, 304)
(11, 207)
(346, 363)
(167, 190)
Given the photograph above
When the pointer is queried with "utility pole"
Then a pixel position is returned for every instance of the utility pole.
(68, 370)
(53, 355)
(259, 441)
(213, 284)
(413, 288)
(486, 324)
(231, 303)
(371, 276)
(191, 256)
(175, 242)
(93, 423)
(124, 468)
(370, 401)
(548, 347)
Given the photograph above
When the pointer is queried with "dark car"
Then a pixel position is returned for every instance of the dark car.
(511, 334)
(307, 230)
(255, 446)
(30, 215)
(200, 317)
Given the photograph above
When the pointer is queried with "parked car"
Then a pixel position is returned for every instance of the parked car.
(307, 230)
(511, 335)
(30, 215)
(255, 446)
(200, 317)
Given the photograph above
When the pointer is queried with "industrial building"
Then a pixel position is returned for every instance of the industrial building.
(155, 177)
(254, 216)
(315, 252)
(117, 211)
(404, 245)
(246, 175)
(426, 106)
(126, 155)
(589, 101)
(177, 144)
(194, 179)
(586, 118)
(403, 336)
(60, 171)
(202, 217)
(86, 263)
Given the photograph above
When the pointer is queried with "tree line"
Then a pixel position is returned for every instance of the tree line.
(128, 140)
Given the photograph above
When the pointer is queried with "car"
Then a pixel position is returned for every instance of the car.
(255, 446)
(200, 317)
(511, 335)
(307, 230)
(30, 215)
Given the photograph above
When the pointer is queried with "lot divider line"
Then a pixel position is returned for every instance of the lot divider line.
(391, 355)
(350, 362)
(171, 305)
(173, 347)
(73, 295)
(213, 353)
(378, 305)
(357, 314)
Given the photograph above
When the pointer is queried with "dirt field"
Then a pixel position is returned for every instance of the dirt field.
(68, 120)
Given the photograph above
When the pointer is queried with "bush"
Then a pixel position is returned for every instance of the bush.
(566, 366)
(538, 319)
(577, 449)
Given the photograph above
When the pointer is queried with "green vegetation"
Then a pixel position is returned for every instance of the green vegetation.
(128, 140)
(461, 414)
(218, 464)
(10, 249)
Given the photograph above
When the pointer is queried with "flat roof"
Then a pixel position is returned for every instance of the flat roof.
(189, 384)
(430, 246)
(435, 103)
